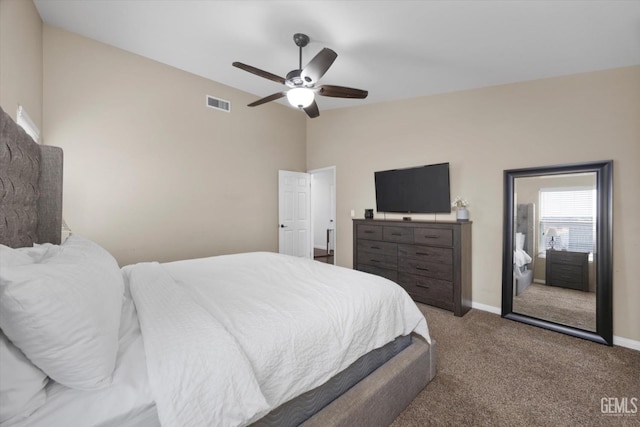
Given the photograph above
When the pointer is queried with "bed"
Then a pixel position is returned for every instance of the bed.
(246, 339)
(522, 260)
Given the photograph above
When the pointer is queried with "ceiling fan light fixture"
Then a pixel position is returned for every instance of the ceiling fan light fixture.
(300, 97)
(303, 81)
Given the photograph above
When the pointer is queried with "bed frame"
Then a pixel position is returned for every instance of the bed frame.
(31, 212)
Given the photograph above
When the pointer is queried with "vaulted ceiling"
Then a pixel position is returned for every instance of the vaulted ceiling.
(393, 49)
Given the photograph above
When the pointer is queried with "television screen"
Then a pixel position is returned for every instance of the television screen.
(423, 189)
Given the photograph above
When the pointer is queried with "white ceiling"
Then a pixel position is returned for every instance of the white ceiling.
(393, 49)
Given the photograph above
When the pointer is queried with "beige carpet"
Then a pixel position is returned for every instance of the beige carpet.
(497, 372)
(560, 305)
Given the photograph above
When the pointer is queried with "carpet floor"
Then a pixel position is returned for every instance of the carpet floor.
(492, 371)
(560, 305)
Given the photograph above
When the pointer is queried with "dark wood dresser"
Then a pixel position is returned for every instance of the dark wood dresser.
(567, 269)
(430, 260)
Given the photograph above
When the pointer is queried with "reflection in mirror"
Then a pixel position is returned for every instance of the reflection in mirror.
(555, 236)
(557, 249)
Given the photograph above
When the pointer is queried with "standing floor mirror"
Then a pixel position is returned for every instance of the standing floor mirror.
(557, 249)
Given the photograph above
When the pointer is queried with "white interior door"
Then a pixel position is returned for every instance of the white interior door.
(294, 212)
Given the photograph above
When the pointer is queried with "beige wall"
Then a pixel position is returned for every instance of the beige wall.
(21, 58)
(150, 172)
(585, 117)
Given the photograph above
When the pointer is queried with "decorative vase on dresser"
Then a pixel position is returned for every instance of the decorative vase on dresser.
(430, 260)
(462, 214)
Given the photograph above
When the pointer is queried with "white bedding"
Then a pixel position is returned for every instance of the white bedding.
(520, 257)
(124, 400)
(283, 326)
(258, 330)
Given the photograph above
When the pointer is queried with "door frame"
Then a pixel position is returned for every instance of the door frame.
(333, 214)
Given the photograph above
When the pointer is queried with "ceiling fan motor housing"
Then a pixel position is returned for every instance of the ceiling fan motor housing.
(294, 79)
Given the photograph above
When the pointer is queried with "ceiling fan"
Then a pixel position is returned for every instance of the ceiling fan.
(303, 81)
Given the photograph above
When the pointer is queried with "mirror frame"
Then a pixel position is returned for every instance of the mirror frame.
(603, 256)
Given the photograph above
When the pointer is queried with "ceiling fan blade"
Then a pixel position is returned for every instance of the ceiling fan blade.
(267, 99)
(259, 72)
(315, 69)
(312, 110)
(342, 92)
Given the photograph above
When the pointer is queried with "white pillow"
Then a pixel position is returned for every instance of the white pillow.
(64, 312)
(27, 255)
(40, 251)
(12, 257)
(21, 383)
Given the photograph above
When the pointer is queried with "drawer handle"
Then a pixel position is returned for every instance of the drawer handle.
(396, 234)
(375, 247)
(422, 253)
(430, 236)
(368, 232)
(422, 269)
(375, 260)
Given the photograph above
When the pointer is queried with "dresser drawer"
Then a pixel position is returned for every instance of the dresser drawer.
(425, 268)
(373, 232)
(378, 271)
(427, 290)
(397, 234)
(433, 236)
(378, 260)
(566, 271)
(566, 257)
(426, 253)
(568, 276)
(376, 247)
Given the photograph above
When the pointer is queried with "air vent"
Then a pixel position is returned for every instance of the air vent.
(218, 104)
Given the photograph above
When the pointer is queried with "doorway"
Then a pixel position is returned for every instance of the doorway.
(323, 214)
(307, 214)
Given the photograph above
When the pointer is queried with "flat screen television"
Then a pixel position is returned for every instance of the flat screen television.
(423, 189)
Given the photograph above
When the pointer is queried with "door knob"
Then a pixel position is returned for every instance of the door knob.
(283, 226)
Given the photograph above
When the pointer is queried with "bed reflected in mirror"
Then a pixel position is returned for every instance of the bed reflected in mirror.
(557, 249)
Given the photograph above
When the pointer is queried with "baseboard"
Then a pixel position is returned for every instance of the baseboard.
(626, 342)
(484, 307)
(619, 341)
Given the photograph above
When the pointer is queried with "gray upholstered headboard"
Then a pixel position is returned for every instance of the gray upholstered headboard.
(526, 224)
(30, 188)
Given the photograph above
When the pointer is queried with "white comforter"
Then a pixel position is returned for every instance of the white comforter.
(521, 258)
(229, 338)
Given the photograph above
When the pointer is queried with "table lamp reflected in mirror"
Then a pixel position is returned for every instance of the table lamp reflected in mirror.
(552, 233)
